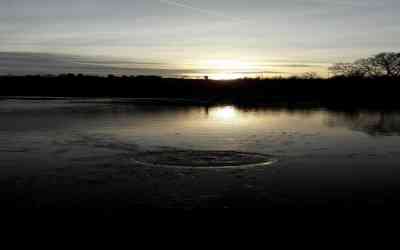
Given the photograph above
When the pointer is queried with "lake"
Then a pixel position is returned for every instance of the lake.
(159, 155)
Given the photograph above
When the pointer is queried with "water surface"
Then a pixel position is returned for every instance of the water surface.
(45, 128)
(321, 154)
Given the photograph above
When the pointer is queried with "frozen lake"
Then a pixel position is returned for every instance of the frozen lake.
(131, 143)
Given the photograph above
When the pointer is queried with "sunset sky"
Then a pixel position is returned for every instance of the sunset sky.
(221, 38)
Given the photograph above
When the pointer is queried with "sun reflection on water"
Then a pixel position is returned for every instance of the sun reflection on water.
(226, 113)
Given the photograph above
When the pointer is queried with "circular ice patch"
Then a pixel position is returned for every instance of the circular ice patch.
(203, 159)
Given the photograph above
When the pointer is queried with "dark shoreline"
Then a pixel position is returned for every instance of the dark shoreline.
(337, 92)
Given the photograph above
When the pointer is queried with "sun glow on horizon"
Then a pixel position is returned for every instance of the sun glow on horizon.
(225, 69)
(222, 65)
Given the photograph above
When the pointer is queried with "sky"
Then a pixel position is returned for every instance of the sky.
(222, 38)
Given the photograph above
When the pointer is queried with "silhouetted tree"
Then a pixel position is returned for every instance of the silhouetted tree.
(310, 76)
(387, 64)
(380, 65)
(346, 70)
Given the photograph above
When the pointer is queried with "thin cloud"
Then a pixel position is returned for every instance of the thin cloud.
(347, 3)
(184, 5)
(26, 63)
(260, 72)
(295, 65)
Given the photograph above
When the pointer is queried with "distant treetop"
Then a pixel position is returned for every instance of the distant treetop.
(381, 65)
